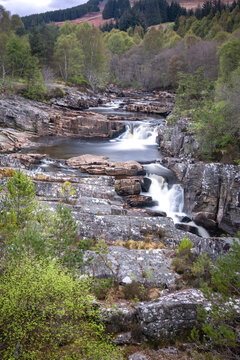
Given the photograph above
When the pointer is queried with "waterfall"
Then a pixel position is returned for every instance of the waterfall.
(169, 198)
(137, 136)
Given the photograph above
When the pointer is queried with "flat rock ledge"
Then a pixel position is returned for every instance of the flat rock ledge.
(100, 165)
(152, 268)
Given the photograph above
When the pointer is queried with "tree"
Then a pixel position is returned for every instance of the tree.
(16, 55)
(229, 58)
(69, 56)
(92, 43)
(18, 201)
(17, 25)
(153, 40)
(4, 36)
(119, 42)
(35, 89)
(42, 40)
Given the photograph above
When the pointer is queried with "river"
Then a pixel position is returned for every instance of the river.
(138, 142)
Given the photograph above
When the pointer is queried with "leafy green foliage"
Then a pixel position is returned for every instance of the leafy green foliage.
(69, 55)
(39, 231)
(101, 287)
(193, 269)
(192, 91)
(46, 313)
(184, 258)
(18, 201)
(35, 88)
(220, 322)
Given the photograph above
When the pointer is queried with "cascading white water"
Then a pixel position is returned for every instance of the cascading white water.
(170, 199)
(137, 136)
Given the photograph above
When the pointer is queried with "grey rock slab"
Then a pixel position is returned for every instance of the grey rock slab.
(170, 314)
(149, 267)
(138, 356)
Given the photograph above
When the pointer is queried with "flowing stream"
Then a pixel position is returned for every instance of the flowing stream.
(138, 142)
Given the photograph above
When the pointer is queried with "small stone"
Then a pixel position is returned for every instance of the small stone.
(126, 280)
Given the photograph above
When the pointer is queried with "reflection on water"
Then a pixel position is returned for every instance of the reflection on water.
(138, 143)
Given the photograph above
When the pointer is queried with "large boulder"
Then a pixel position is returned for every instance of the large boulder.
(170, 315)
(100, 165)
(139, 201)
(128, 186)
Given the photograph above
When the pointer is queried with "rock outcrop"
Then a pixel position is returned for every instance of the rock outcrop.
(26, 115)
(163, 318)
(12, 140)
(150, 108)
(211, 189)
(170, 315)
(76, 100)
(42, 119)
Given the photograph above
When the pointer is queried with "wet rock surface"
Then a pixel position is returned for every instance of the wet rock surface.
(214, 190)
(139, 201)
(128, 186)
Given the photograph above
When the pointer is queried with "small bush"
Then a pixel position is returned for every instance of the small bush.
(101, 287)
(135, 291)
(220, 323)
(56, 92)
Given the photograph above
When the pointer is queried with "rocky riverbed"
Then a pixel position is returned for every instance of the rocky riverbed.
(110, 203)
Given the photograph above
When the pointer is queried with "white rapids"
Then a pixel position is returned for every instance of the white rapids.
(169, 198)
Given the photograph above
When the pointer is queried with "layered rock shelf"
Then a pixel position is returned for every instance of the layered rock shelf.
(33, 118)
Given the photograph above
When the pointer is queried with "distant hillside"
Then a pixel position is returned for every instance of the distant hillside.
(62, 15)
(94, 11)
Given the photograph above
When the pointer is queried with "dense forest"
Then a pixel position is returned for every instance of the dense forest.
(61, 15)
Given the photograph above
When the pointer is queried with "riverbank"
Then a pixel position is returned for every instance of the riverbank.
(112, 202)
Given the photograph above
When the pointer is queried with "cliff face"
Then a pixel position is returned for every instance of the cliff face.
(212, 190)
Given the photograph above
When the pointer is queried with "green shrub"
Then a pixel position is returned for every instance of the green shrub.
(220, 322)
(135, 291)
(101, 287)
(46, 313)
(18, 202)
